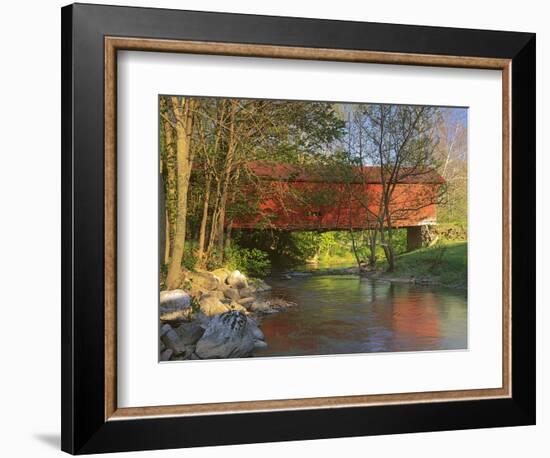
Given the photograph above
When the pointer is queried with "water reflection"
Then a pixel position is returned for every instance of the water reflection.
(346, 314)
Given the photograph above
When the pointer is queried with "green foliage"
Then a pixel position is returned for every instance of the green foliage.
(307, 245)
(318, 246)
(162, 274)
(446, 261)
(437, 259)
(189, 261)
(250, 261)
(195, 305)
(214, 261)
(399, 238)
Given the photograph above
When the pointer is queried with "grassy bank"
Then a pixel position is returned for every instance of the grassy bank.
(445, 263)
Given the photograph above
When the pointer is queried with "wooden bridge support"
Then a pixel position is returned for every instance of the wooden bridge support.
(414, 238)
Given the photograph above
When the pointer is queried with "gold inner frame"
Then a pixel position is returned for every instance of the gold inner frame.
(112, 45)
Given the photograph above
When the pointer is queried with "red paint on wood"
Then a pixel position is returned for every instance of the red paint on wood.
(289, 199)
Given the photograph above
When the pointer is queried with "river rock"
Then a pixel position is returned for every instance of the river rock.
(189, 333)
(201, 319)
(232, 293)
(171, 339)
(246, 301)
(255, 329)
(260, 286)
(221, 274)
(166, 354)
(216, 293)
(203, 281)
(259, 345)
(229, 335)
(237, 280)
(279, 303)
(238, 307)
(174, 304)
(184, 356)
(246, 292)
(260, 306)
(211, 305)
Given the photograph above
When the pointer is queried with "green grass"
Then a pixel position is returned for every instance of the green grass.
(337, 258)
(446, 263)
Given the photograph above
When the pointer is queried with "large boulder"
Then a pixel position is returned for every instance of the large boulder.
(189, 333)
(215, 293)
(174, 305)
(237, 280)
(232, 293)
(221, 274)
(246, 301)
(246, 292)
(201, 319)
(203, 281)
(229, 335)
(237, 306)
(255, 329)
(211, 305)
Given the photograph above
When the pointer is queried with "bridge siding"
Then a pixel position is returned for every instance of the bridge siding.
(344, 206)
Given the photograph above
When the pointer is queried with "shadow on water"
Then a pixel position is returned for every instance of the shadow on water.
(338, 314)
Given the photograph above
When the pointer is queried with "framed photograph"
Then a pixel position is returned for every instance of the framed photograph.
(281, 228)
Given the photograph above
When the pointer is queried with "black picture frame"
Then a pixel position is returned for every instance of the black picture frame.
(84, 428)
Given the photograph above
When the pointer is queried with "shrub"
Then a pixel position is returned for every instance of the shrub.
(250, 261)
(189, 260)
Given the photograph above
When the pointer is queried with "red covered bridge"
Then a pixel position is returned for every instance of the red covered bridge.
(292, 198)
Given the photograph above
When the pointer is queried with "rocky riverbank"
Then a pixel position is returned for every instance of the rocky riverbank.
(215, 316)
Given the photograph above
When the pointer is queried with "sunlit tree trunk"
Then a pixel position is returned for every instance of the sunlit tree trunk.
(231, 145)
(228, 233)
(167, 240)
(183, 114)
(204, 221)
(372, 235)
(171, 185)
(213, 224)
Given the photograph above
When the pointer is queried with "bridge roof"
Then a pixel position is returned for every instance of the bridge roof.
(277, 171)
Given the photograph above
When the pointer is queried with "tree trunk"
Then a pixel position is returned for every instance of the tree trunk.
(221, 223)
(388, 250)
(184, 127)
(231, 143)
(164, 231)
(228, 235)
(167, 238)
(202, 232)
(213, 223)
(372, 247)
(354, 248)
(171, 185)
